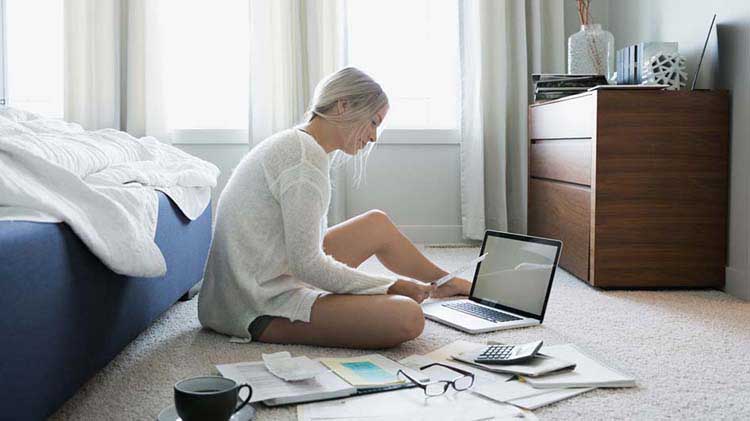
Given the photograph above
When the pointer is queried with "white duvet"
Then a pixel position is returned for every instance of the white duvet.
(101, 183)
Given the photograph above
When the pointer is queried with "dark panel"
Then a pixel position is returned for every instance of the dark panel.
(562, 211)
(661, 189)
(564, 160)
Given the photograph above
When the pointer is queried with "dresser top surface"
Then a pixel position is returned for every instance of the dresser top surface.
(611, 93)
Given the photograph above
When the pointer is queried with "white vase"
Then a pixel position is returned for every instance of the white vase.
(591, 51)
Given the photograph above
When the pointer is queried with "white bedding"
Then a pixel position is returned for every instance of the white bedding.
(101, 183)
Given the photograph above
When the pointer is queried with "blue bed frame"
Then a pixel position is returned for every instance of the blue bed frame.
(64, 315)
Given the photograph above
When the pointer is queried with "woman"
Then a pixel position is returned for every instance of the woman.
(275, 274)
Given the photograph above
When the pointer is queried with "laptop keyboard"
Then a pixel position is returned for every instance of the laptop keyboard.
(481, 312)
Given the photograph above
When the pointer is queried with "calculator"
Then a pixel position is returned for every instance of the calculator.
(508, 354)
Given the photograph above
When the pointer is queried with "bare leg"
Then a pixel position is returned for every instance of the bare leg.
(355, 240)
(352, 321)
(362, 321)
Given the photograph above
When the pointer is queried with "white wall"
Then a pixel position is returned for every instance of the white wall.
(417, 185)
(225, 156)
(726, 66)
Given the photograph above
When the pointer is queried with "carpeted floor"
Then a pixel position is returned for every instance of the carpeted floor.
(689, 351)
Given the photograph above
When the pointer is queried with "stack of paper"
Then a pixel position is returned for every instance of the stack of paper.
(277, 380)
(494, 386)
(536, 391)
(273, 390)
(413, 405)
(523, 395)
(588, 372)
(540, 365)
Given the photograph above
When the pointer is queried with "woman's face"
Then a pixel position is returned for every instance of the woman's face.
(357, 137)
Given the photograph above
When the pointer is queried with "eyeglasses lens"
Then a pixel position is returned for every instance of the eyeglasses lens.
(436, 389)
(463, 383)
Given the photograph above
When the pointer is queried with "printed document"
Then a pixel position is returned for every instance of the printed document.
(267, 386)
(412, 404)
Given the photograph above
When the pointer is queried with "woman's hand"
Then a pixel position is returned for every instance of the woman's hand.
(456, 286)
(417, 291)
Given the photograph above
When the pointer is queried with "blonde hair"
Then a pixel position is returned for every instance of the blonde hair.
(364, 98)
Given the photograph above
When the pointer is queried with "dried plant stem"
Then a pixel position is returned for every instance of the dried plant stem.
(594, 53)
(583, 11)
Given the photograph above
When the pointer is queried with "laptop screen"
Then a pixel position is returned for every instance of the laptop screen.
(516, 273)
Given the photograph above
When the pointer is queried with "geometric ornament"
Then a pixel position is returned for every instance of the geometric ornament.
(665, 69)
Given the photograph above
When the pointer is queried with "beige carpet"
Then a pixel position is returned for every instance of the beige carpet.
(689, 350)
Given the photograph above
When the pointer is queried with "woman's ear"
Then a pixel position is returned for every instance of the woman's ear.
(342, 106)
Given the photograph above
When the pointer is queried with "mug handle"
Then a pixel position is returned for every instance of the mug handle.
(249, 395)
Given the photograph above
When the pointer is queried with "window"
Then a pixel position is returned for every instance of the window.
(411, 48)
(33, 55)
(207, 67)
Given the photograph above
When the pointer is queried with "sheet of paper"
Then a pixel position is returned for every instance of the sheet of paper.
(412, 405)
(551, 396)
(416, 361)
(460, 270)
(282, 365)
(507, 391)
(485, 378)
(588, 372)
(267, 386)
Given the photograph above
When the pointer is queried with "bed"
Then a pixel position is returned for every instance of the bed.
(64, 315)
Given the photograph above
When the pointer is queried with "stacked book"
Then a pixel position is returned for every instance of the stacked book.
(548, 86)
(631, 59)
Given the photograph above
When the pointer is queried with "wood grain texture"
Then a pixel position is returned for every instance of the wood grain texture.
(658, 201)
(661, 189)
(562, 211)
(563, 119)
(565, 160)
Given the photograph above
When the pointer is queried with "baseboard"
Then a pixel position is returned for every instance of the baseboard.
(433, 234)
(737, 283)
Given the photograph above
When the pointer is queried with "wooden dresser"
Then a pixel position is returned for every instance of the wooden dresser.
(635, 185)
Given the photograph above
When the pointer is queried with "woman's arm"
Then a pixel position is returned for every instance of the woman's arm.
(302, 209)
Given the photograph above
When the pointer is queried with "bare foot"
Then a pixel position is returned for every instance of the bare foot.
(456, 286)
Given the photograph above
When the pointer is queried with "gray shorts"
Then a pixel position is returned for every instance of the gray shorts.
(258, 326)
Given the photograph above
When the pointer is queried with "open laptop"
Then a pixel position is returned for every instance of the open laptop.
(511, 286)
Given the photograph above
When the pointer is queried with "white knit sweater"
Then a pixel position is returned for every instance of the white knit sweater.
(267, 257)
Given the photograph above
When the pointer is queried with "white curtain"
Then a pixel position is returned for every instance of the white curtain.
(502, 43)
(293, 45)
(92, 62)
(114, 71)
(146, 113)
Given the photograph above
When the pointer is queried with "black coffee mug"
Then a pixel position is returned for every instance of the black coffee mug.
(208, 398)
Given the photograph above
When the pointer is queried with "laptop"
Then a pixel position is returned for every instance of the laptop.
(511, 285)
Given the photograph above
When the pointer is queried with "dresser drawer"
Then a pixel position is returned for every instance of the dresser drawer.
(563, 119)
(565, 160)
(562, 211)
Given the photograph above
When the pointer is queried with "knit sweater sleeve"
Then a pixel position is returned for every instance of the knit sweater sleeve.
(302, 208)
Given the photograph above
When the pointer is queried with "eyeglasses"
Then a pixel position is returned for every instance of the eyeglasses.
(438, 388)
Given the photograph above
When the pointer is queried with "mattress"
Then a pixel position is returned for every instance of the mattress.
(64, 315)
